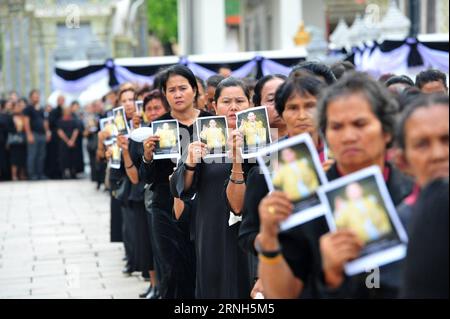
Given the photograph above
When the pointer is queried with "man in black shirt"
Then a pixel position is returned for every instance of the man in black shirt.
(38, 134)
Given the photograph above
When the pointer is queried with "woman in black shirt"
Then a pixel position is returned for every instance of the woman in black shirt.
(68, 131)
(219, 187)
(173, 250)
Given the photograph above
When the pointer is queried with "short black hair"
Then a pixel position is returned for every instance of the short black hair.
(231, 82)
(183, 71)
(156, 94)
(260, 86)
(159, 78)
(214, 80)
(301, 85)
(383, 105)
(399, 79)
(317, 69)
(431, 75)
(407, 97)
(423, 101)
(342, 67)
(32, 92)
(199, 80)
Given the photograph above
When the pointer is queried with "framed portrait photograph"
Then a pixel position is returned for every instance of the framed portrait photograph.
(254, 125)
(213, 131)
(116, 158)
(361, 202)
(107, 125)
(169, 143)
(120, 121)
(139, 107)
(293, 167)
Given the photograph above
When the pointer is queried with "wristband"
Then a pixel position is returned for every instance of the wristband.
(267, 254)
(130, 166)
(237, 182)
(145, 161)
(270, 261)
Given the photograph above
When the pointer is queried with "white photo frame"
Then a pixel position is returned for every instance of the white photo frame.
(171, 151)
(108, 123)
(116, 157)
(222, 125)
(262, 117)
(392, 244)
(120, 121)
(139, 107)
(309, 207)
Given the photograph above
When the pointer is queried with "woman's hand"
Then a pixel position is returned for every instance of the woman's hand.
(327, 164)
(149, 147)
(196, 151)
(257, 288)
(123, 143)
(71, 143)
(273, 209)
(136, 120)
(337, 249)
(108, 153)
(235, 143)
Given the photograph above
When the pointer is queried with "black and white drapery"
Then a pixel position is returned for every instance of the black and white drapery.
(399, 57)
(116, 72)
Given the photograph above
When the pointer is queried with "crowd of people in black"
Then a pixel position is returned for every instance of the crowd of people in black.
(40, 143)
(196, 229)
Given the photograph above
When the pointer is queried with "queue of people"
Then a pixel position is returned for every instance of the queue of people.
(211, 230)
(202, 229)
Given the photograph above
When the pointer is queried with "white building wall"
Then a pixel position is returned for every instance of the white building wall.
(201, 27)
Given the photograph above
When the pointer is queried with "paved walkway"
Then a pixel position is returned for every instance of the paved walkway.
(54, 243)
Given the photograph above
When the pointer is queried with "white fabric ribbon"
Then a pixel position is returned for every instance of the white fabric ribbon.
(234, 219)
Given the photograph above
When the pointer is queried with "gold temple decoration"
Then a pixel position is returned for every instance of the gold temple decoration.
(302, 38)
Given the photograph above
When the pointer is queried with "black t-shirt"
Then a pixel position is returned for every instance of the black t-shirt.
(37, 118)
(426, 265)
(157, 173)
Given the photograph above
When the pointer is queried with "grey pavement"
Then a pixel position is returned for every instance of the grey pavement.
(54, 243)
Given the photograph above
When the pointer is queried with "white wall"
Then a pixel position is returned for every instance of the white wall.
(201, 26)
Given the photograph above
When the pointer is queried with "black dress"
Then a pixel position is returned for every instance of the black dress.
(79, 156)
(4, 154)
(18, 151)
(174, 252)
(222, 266)
(144, 250)
(52, 164)
(67, 155)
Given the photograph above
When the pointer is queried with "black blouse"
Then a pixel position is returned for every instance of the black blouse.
(157, 173)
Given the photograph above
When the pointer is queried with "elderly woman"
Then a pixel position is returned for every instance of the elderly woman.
(296, 102)
(422, 137)
(357, 117)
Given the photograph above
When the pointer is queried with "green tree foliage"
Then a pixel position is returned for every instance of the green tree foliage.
(163, 19)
